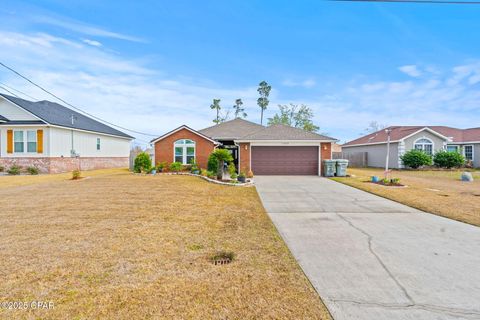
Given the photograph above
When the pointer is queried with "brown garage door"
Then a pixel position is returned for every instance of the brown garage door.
(285, 160)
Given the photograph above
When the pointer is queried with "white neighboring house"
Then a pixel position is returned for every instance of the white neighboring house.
(55, 139)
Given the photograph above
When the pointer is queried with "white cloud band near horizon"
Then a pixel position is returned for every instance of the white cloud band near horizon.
(130, 93)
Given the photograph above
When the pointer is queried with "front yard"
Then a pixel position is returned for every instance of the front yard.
(124, 246)
(438, 192)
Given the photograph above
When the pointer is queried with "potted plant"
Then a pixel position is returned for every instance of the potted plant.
(241, 177)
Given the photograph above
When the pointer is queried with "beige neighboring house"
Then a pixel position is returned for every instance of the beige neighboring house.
(427, 138)
(55, 139)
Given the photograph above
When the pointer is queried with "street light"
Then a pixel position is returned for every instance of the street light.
(387, 131)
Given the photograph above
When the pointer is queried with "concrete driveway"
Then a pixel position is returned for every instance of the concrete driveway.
(372, 258)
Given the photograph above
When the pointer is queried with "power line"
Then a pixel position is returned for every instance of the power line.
(413, 1)
(21, 92)
(9, 91)
(71, 105)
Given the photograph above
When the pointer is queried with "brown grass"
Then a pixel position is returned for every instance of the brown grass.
(434, 191)
(123, 246)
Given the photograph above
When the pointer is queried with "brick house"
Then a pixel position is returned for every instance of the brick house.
(271, 150)
(56, 139)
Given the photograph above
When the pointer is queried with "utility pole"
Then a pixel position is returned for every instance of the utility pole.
(388, 131)
(72, 151)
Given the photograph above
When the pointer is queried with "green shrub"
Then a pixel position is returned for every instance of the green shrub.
(76, 174)
(142, 163)
(416, 158)
(446, 159)
(176, 167)
(14, 170)
(32, 170)
(211, 174)
(231, 169)
(203, 172)
(222, 155)
(212, 164)
(162, 166)
(2, 168)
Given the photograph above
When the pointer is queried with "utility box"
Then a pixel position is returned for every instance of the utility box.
(341, 170)
(329, 168)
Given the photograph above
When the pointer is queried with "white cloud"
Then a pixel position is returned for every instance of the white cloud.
(92, 42)
(83, 28)
(130, 93)
(411, 70)
(307, 83)
(122, 91)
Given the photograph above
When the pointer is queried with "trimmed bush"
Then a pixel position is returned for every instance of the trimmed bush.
(32, 170)
(448, 159)
(212, 164)
(142, 163)
(14, 170)
(416, 158)
(176, 167)
(2, 168)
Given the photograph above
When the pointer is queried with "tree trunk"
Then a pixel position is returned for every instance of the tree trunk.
(220, 170)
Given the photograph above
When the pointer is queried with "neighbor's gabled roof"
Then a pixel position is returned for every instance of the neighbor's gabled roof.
(55, 114)
(401, 132)
(231, 130)
(284, 132)
(3, 119)
(180, 128)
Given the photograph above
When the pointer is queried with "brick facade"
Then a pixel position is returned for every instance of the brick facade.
(244, 152)
(326, 153)
(164, 150)
(59, 165)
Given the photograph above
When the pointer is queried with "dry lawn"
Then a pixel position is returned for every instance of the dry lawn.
(123, 246)
(438, 192)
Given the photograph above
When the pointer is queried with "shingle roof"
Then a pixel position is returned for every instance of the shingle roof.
(284, 132)
(2, 118)
(400, 132)
(56, 114)
(231, 130)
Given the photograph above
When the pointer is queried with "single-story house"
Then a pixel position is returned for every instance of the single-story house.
(272, 150)
(427, 138)
(55, 139)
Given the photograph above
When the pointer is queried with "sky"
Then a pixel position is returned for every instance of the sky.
(152, 66)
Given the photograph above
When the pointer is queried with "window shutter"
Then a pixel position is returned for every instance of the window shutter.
(40, 141)
(9, 141)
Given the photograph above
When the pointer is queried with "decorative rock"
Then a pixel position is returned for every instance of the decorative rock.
(467, 176)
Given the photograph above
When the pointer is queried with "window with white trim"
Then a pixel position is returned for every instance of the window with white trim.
(31, 141)
(425, 145)
(452, 148)
(468, 152)
(184, 151)
(98, 144)
(18, 141)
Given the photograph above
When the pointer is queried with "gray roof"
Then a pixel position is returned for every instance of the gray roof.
(231, 130)
(2, 118)
(284, 132)
(56, 114)
(18, 122)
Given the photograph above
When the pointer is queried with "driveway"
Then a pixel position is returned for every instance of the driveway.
(372, 258)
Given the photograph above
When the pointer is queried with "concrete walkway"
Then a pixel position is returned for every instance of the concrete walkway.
(372, 258)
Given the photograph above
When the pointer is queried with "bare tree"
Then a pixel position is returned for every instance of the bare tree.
(373, 126)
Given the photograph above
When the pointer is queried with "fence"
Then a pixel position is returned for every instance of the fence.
(355, 159)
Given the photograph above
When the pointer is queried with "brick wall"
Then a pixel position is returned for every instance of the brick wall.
(244, 151)
(326, 153)
(59, 165)
(164, 149)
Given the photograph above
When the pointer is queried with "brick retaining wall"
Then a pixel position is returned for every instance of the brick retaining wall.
(59, 165)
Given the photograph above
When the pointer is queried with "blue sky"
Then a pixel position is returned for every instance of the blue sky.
(156, 65)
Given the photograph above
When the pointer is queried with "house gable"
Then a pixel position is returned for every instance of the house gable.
(12, 112)
(165, 149)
